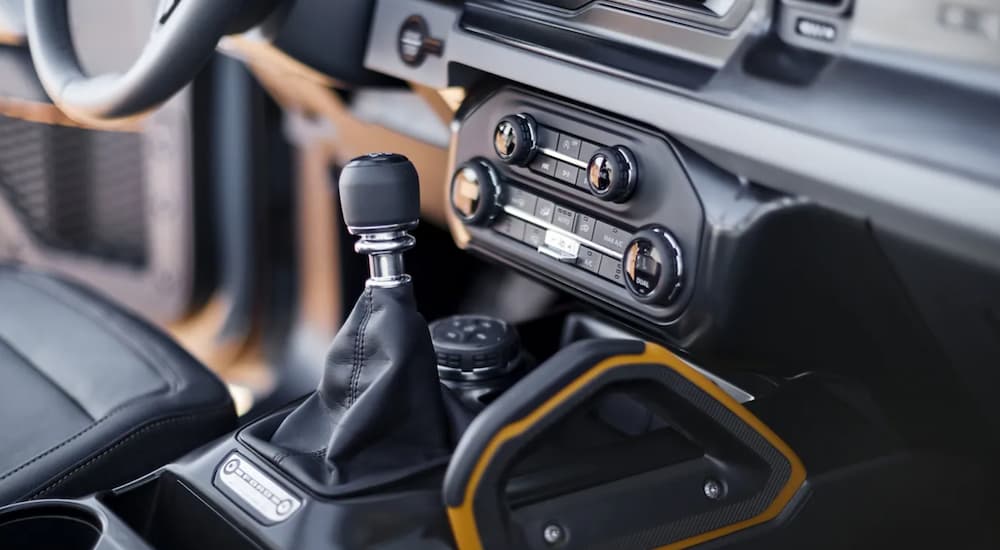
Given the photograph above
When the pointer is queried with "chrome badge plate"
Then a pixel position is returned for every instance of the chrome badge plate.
(255, 490)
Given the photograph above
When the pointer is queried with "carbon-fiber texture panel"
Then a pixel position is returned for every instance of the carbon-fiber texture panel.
(732, 512)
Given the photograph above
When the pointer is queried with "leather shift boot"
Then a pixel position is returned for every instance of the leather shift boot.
(378, 415)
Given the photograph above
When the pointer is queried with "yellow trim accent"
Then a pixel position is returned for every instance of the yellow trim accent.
(462, 517)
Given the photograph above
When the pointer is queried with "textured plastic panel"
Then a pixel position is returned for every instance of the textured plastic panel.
(76, 190)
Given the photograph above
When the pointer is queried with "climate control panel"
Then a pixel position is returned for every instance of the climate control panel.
(609, 173)
(598, 206)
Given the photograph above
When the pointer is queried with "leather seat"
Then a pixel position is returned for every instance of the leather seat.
(91, 396)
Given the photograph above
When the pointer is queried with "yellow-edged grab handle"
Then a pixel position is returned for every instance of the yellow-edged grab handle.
(739, 475)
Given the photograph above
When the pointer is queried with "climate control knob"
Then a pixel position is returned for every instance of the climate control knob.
(652, 266)
(515, 139)
(475, 192)
(612, 173)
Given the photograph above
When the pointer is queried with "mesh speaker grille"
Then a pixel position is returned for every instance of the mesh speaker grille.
(76, 190)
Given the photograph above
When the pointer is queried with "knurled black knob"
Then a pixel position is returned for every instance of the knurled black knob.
(379, 191)
(474, 347)
(515, 139)
(612, 173)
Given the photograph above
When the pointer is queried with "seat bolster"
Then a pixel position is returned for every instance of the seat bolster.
(181, 407)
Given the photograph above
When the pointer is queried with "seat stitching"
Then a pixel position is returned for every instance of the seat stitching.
(364, 334)
(49, 287)
(359, 351)
(44, 376)
(72, 438)
(150, 355)
(155, 425)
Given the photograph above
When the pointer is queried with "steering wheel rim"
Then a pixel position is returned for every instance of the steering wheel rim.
(183, 39)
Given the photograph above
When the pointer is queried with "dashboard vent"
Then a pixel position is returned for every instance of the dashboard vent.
(76, 190)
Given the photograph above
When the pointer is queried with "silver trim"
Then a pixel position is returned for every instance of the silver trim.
(549, 227)
(559, 255)
(665, 233)
(385, 256)
(565, 158)
(734, 391)
(358, 230)
(488, 373)
(532, 132)
(388, 282)
(384, 243)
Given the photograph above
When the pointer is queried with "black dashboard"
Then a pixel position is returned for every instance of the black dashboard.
(796, 164)
(780, 187)
(869, 123)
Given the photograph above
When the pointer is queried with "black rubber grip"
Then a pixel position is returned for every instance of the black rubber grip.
(381, 189)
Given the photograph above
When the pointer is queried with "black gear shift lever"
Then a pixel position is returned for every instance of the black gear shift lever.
(380, 198)
(377, 416)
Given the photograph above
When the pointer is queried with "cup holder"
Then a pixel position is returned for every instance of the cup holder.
(49, 525)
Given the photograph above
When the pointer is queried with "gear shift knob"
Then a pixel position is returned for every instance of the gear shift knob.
(380, 199)
(378, 192)
(378, 416)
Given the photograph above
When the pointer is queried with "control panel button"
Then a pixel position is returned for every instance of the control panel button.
(521, 199)
(611, 269)
(563, 218)
(544, 209)
(510, 226)
(652, 266)
(589, 259)
(544, 165)
(584, 226)
(514, 139)
(583, 181)
(534, 236)
(610, 236)
(548, 138)
(567, 172)
(612, 174)
(569, 145)
(560, 247)
(587, 150)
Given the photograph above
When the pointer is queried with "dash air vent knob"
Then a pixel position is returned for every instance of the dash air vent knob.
(475, 192)
(612, 173)
(515, 139)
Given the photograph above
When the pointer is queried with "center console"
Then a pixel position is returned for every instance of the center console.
(687, 180)
(451, 435)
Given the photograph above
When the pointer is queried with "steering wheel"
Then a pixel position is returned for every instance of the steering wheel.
(184, 36)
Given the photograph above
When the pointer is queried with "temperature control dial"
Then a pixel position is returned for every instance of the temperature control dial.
(612, 173)
(652, 266)
(475, 192)
(515, 139)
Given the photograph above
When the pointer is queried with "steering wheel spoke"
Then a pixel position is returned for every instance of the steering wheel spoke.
(181, 43)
